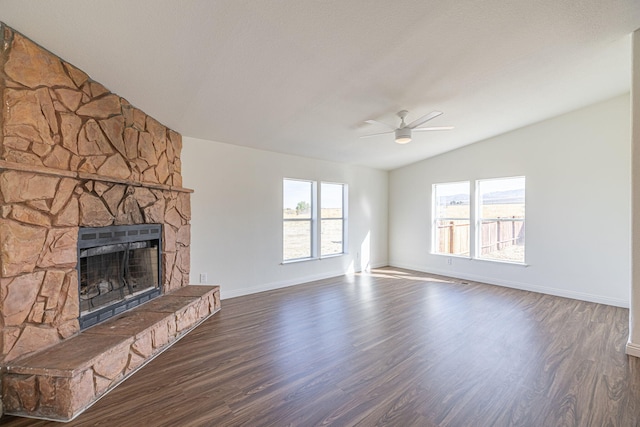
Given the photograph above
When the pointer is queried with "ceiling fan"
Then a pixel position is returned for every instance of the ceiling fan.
(403, 132)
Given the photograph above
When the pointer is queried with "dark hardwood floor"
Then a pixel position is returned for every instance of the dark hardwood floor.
(393, 347)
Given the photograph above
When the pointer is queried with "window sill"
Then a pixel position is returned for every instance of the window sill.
(499, 261)
(451, 255)
(297, 260)
(334, 255)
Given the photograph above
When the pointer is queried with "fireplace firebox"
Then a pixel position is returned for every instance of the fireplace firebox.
(118, 269)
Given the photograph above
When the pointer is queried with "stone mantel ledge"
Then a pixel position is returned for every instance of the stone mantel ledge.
(43, 170)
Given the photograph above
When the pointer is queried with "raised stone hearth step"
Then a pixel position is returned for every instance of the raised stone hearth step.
(62, 381)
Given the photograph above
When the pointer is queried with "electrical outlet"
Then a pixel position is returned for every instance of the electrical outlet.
(449, 261)
(203, 278)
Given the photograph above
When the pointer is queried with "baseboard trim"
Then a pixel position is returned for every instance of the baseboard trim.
(582, 296)
(275, 285)
(633, 349)
(286, 283)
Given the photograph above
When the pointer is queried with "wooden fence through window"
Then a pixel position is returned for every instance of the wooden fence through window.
(495, 235)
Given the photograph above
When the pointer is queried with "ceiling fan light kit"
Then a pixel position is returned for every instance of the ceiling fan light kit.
(403, 135)
(403, 132)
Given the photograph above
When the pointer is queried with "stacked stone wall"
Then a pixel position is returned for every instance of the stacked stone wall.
(73, 154)
(55, 116)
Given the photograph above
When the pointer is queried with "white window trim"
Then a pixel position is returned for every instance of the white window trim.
(344, 219)
(435, 219)
(316, 222)
(312, 220)
(474, 221)
(477, 251)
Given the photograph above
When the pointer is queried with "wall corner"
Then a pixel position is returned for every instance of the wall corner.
(633, 346)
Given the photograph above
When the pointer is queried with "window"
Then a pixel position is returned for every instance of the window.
(451, 218)
(498, 211)
(500, 219)
(298, 219)
(300, 227)
(332, 218)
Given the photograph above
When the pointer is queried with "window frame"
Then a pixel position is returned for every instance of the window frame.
(312, 220)
(343, 219)
(475, 222)
(315, 220)
(435, 244)
(479, 221)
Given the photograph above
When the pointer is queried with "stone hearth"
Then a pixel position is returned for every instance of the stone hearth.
(73, 154)
(60, 383)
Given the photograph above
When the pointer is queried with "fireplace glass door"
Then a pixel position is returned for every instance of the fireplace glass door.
(118, 269)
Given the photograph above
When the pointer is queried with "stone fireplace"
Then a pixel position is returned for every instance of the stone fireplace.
(80, 165)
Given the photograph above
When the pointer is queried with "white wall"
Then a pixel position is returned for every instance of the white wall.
(578, 212)
(236, 227)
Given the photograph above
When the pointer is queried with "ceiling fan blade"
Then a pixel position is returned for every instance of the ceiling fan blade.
(435, 128)
(375, 122)
(376, 134)
(432, 115)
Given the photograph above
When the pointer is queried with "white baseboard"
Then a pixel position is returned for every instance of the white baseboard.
(582, 296)
(285, 283)
(274, 285)
(633, 349)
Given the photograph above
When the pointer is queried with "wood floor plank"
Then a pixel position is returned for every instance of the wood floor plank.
(391, 347)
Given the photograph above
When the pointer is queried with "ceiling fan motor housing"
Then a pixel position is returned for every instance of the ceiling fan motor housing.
(403, 135)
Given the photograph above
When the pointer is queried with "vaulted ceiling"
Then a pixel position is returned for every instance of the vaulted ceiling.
(302, 76)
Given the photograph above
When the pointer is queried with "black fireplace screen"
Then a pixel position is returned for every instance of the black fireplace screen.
(118, 269)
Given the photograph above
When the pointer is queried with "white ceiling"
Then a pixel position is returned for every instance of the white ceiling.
(301, 76)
